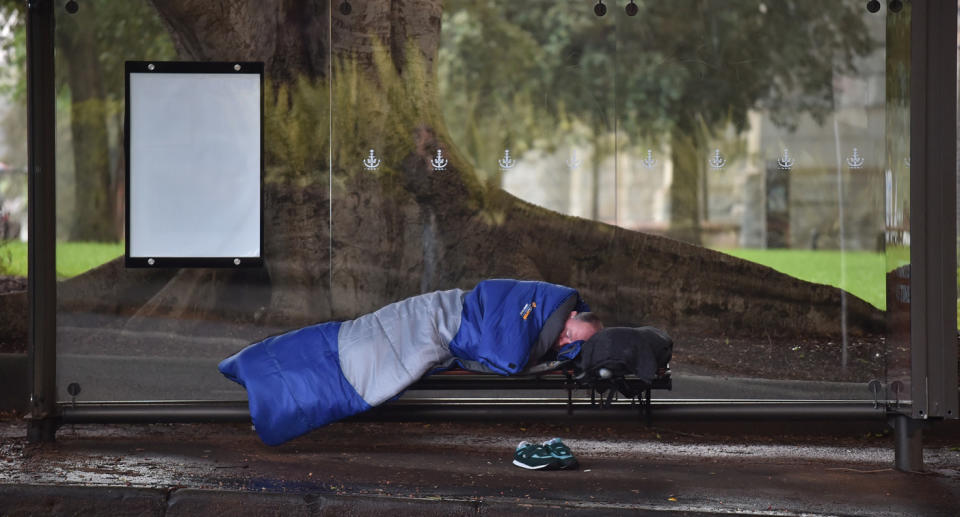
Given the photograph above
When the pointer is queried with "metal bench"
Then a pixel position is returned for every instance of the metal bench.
(458, 379)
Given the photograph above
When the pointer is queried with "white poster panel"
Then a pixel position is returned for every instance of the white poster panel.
(194, 167)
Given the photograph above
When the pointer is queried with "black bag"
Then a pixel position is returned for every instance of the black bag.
(615, 352)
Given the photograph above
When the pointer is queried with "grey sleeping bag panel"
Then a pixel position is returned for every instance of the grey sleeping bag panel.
(383, 352)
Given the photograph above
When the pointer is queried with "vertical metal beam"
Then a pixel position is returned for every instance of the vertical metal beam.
(908, 449)
(933, 203)
(41, 247)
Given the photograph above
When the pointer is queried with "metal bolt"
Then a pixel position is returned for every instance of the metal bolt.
(600, 9)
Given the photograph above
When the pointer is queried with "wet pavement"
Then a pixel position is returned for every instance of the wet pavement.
(444, 468)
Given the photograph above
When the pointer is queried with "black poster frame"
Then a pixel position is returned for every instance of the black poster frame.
(186, 67)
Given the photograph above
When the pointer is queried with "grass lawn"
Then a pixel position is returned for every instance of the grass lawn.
(865, 271)
(863, 275)
(73, 258)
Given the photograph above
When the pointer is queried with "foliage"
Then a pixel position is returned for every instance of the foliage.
(122, 31)
(533, 69)
(370, 101)
(91, 47)
(296, 122)
(681, 75)
(13, 49)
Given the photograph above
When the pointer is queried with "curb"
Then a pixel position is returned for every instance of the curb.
(74, 500)
(17, 500)
(55, 500)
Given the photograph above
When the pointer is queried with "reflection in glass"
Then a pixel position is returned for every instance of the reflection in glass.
(686, 168)
(769, 153)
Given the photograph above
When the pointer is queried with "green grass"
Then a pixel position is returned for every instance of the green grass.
(73, 258)
(865, 272)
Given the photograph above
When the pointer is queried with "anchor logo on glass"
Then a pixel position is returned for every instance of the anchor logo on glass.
(506, 163)
(649, 162)
(717, 161)
(439, 163)
(855, 161)
(371, 162)
(785, 162)
(573, 162)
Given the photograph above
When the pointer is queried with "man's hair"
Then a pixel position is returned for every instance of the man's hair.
(590, 318)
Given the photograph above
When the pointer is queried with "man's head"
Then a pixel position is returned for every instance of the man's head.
(579, 327)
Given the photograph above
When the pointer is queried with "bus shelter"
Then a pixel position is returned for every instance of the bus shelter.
(772, 183)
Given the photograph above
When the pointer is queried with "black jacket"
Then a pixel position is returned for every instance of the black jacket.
(640, 351)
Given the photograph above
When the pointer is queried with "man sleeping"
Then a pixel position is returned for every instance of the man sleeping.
(310, 377)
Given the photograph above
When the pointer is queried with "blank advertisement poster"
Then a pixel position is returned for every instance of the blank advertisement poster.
(194, 138)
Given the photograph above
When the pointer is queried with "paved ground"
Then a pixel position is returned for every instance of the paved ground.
(443, 468)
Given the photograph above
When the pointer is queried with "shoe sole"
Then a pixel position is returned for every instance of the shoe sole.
(531, 467)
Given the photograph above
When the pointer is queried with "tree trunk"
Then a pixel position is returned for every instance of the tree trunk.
(405, 228)
(596, 160)
(94, 216)
(685, 188)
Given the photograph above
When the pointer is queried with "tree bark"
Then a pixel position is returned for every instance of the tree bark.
(685, 203)
(405, 228)
(94, 216)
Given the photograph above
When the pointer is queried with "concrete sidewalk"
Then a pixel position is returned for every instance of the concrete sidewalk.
(359, 468)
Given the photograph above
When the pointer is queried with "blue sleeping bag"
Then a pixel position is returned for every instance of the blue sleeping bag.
(307, 378)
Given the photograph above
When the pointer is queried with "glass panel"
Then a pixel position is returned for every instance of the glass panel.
(896, 208)
(775, 153)
(508, 83)
(13, 187)
(750, 199)
(428, 145)
(457, 154)
(141, 334)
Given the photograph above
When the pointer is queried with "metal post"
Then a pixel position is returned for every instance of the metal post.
(933, 204)
(908, 449)
(41, 248)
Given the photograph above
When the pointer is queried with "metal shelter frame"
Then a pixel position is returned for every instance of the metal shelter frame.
(933, 333)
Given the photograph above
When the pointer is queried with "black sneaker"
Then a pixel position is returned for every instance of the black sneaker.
(535, 457)
(562, 453)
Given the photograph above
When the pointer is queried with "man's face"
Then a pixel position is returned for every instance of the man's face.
(574, 330)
